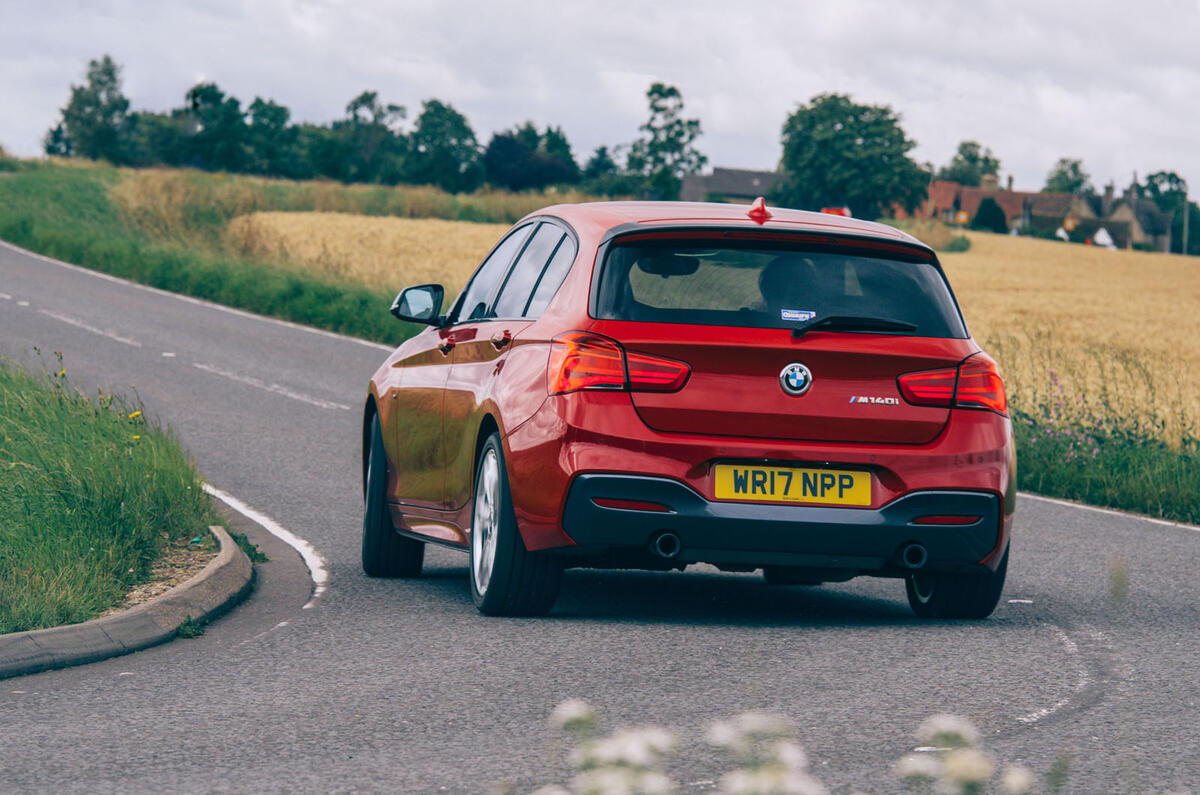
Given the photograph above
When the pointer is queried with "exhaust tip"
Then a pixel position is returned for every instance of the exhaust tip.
(914, 556)
(667, 545)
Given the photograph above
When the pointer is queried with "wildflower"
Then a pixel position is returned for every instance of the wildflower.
(574, 714)
(1095, 452)
(638, 748)
(135, 414)
(949, 731)
(740, 732)
(791, 755)
(1017, 780)
(917, 769)
(764, 780)
(967, 766)
(622, 781)
(137, 436)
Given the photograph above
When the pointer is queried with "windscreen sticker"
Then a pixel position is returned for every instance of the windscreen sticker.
(797, 314)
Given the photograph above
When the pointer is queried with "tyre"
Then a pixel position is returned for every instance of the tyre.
(385, 553)
(956, 595)
(506, 579)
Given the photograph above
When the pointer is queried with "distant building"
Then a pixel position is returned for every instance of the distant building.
(1130, 220)
(728, 185)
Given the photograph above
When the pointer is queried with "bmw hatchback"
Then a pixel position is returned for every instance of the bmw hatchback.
(658, 384)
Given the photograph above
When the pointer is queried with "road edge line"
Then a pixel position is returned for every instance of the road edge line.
(1110, 511)
(193, 300)
(308, 553)
(216, 588)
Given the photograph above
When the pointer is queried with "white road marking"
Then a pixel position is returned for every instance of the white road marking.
(1111, 512)
(168, 354)
(70, 321)
(196, 301)
(930, 749)
(1081, 682)
(22, 303)
(275, 388)
(312, 558)
(1020, 601)
(5, 296)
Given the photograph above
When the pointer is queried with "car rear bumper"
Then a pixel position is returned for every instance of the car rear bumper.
(860, 540)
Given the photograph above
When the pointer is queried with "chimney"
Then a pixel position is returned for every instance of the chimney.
(1010, 183)
(989, 182)
(1106, 204)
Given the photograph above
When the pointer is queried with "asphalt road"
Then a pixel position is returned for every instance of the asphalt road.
(402, 686)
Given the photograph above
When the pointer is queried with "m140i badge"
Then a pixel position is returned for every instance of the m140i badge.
(885, 401)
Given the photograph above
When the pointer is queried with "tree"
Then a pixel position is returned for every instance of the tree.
(1169, 191)
(216, 129)
(969, 164)
(523, 158)
(373, 148)
(600, 164)
(665, 152)
(990, 217)
(443, 150)
(271, 142)
(96, 117)
(1067, 176)
(838, 152)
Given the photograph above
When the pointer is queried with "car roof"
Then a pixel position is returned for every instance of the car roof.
(600, 217)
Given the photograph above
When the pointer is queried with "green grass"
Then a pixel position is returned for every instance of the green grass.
(89, 493)
(1100, 461)
(67, 212)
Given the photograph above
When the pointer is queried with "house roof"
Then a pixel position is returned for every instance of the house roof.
(735, 182)
(1152, 220)
(942, 194)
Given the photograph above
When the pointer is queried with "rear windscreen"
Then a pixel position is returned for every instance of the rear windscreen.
(770, 285)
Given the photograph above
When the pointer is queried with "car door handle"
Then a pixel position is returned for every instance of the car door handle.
(501, 339)
(446, 347)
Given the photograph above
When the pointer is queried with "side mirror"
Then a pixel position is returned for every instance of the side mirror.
(420, 304)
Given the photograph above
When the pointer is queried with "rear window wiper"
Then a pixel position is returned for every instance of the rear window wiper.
(852, 323)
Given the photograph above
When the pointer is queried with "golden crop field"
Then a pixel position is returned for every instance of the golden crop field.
(1095, 330)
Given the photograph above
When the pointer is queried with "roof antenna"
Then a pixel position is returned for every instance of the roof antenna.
(758, 211)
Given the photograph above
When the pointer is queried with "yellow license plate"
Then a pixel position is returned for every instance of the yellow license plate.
(791, 484)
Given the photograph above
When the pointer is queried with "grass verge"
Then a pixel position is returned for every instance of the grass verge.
(89, 493)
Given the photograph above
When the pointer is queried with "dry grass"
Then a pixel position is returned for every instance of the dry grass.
(1115, 332)
(381, 253)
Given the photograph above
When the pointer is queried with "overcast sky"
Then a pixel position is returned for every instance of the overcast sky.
(1114, 83)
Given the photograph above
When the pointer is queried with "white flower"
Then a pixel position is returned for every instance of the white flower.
(744, 729)
(622, 781)
(967, 766)
(551, 789)
(1017, 780)
(917, 768)
(951, 731)
(791, 755)
(770, 781)
(573, 714)
(637, 748)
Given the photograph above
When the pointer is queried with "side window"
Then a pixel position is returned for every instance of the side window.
(552, 278)
(474, 301)
(514, 295)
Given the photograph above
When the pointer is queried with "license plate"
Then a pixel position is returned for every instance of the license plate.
(792, 484)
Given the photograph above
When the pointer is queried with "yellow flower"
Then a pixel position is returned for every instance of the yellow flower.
(137, 436)
(135, 414)
(61, 373)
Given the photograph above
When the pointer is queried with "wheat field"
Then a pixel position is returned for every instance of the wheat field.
(1116, 332)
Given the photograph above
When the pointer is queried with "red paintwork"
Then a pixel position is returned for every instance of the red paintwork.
(440, 391)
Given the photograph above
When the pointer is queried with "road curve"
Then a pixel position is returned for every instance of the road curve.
(401, 685)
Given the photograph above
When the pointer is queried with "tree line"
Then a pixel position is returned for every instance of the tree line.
(371, 143)
(834, 151)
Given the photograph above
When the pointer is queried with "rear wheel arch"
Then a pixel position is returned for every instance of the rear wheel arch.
(487, 426)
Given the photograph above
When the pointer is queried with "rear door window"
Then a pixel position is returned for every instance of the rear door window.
(476, 298)
(771, 285)
(515, 293)
(552, 277)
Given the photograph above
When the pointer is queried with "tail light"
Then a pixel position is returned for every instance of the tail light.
(579, 360)
(974, 384)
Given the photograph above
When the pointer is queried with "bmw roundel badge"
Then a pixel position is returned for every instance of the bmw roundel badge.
(795, 379)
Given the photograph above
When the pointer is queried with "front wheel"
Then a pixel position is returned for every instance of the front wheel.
(506, 578)
(956, 595)
(385, 553)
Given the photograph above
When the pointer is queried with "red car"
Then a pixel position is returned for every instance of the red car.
(655, 384)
